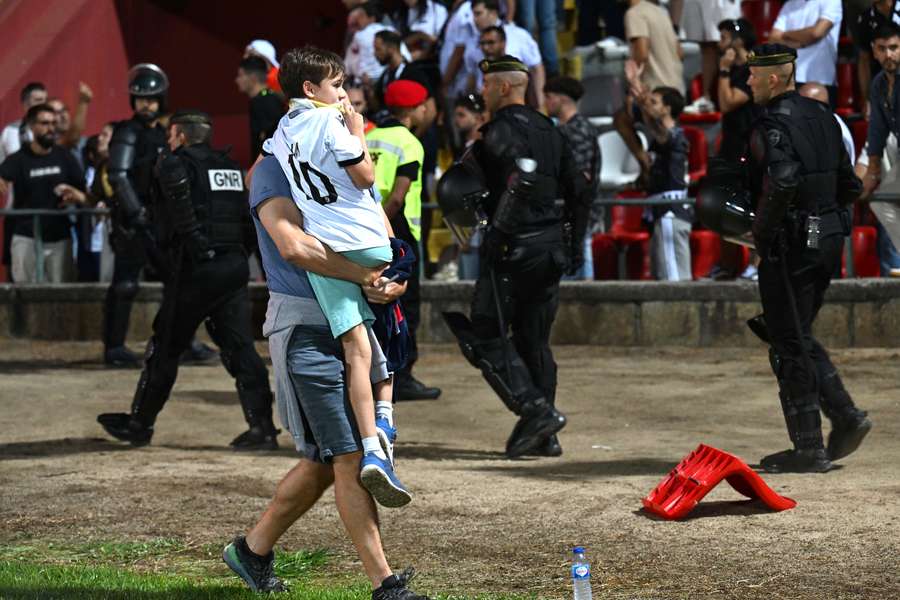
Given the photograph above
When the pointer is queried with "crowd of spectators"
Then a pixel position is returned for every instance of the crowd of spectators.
(47, 162)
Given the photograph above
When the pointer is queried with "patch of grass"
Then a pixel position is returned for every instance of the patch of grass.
(164, 569)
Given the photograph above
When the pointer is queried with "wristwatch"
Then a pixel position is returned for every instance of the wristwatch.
(724, 72)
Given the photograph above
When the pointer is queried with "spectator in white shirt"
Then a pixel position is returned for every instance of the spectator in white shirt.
(360, 60)
(519, 43)
(813, 28)
(12, 137)
(425, 16)
(459, 34)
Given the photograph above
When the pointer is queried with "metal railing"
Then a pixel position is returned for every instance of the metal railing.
(36, 214)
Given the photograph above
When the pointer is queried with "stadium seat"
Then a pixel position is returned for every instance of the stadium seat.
(697, 155)
(618, 167)
(846, 93)
(705, 252)
(859, 129)
(762, 14)
(630, 238)
(698, 473)
(865, 252)
(603, 247)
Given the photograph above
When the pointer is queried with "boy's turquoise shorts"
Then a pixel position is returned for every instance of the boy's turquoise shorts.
(342, 301)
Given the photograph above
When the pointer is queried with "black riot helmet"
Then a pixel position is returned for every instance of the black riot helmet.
(461, 193)
(723, 203)
(146, 80)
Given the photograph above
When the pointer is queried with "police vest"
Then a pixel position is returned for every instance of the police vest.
(393, 146)
(217, 194)
(519, 131)
(816, 140)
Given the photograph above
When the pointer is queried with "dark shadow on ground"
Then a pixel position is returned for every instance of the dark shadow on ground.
(717, 508)
(223, 398)
(432, 451)
(70, 446)
(550, 468)
(58, 447)
(18, 367)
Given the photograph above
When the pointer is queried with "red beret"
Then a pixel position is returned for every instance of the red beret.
(404, 93)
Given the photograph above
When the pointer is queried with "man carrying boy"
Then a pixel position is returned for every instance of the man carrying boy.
(308, 365)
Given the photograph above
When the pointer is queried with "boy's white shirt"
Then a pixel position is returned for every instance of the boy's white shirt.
(310, 138)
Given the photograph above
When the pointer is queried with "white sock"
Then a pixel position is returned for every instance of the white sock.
(385, 410)
(371, 445)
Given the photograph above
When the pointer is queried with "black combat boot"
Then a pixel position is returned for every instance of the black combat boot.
(797, 461)
(539, 421)
(847, 433)
(550, 447)
(123, 426)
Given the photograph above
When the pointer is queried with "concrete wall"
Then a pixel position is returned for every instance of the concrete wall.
(858, 312)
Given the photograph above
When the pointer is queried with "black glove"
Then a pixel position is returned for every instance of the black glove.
(493, 246)
(197, 248)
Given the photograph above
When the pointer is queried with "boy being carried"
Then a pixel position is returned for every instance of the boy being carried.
(321, 147)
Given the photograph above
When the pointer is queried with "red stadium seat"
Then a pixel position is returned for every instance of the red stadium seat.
(859, 129)
(847, 97)
(865, 252)
(698, 154)
(705, 252)
(630, 237)
(762, 14)
(603, 247)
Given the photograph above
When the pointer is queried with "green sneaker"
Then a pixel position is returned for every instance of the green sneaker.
(257, 572)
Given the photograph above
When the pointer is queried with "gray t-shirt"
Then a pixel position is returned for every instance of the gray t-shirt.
(268, 182)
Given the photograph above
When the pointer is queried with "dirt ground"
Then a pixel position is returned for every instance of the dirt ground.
(479, 522)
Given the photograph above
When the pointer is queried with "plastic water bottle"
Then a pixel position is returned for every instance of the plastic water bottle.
(581, 575)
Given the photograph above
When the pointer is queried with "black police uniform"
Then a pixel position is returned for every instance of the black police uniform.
(804, 182)
(518, 285)
(202, 223)
(133, 150)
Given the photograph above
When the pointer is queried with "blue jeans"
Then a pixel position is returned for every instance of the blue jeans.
(544, 12)
(887, 254)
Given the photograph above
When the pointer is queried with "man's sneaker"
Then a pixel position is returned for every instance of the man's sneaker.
(198, 354)
(846, 436)
(257, 438)
(256, 571)
(377, 475)
(410, 388)
(387, 435)
(121, 357)
(123, 427)
(797, 461)
(395, 587)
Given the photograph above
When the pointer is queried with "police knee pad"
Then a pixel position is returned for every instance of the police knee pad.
(126, 289)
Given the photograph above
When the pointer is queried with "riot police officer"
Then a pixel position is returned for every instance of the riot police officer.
(803, 181)
(133, 151)
(200, 216)
(536, 204)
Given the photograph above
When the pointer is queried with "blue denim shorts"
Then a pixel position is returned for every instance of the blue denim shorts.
(315, 362)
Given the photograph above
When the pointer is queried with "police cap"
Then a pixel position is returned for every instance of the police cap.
(769, 55)
(504, 64)
(190, 117)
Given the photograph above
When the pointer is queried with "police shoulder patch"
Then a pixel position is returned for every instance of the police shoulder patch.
(773, 136)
